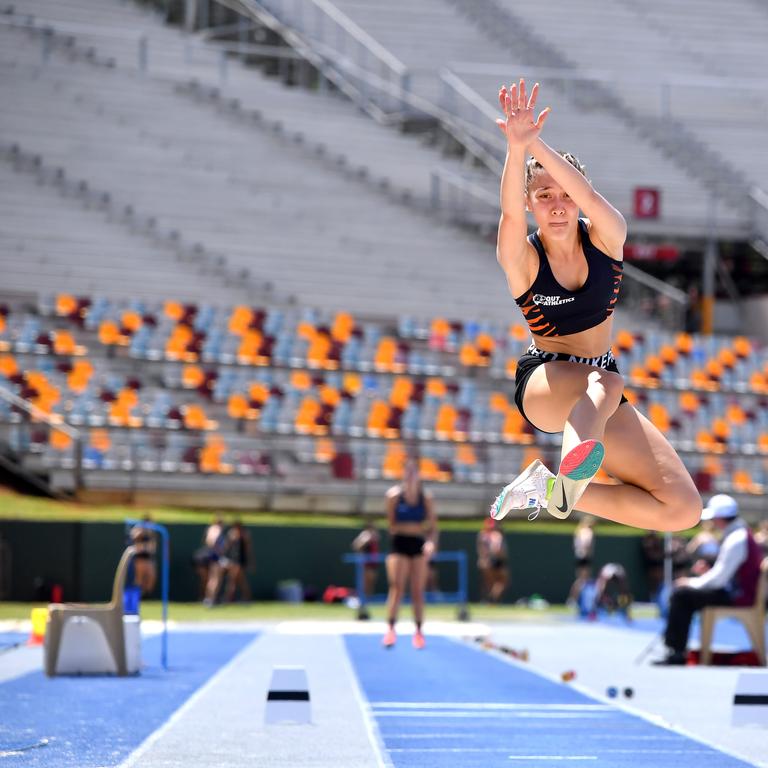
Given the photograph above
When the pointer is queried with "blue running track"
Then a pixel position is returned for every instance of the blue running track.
(98, 721)
(455, 706)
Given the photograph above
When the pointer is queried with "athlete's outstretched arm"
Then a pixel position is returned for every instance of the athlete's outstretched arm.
(520, 127)
(607, 223)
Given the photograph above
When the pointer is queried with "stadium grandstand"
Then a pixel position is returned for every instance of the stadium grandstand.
(247, 246)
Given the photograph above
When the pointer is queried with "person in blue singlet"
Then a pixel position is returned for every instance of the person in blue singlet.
(413, 536)
(566, 279)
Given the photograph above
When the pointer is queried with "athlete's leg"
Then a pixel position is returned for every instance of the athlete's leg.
(419, 567)
(397, 569)
(656, 491)
(572, 398)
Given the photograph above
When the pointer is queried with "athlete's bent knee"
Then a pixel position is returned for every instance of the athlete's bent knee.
(609, 386)
(684, 509)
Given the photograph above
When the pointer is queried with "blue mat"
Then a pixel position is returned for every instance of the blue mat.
(454, 706)
(99, 721)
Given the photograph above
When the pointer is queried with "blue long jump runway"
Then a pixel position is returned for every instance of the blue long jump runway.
(98, 721)
(455, 706)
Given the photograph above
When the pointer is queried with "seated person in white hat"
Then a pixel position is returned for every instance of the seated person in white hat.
(732, 580)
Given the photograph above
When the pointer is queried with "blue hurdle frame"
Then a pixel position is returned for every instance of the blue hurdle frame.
(360, 560)
(164, 579)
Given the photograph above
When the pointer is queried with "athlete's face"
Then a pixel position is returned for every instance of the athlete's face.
(555, 213)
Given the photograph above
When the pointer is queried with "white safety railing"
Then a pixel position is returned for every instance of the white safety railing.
(55, 423)
(348, 48)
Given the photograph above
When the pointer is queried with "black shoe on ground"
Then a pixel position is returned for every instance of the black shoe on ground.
(672, 659)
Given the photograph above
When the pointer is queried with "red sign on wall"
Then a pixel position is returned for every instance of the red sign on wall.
(647, 203)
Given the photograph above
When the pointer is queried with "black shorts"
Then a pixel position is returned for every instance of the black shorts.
(408, 546)
(535, 357)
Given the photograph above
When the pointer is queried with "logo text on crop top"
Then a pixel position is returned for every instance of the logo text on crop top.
(551, 301)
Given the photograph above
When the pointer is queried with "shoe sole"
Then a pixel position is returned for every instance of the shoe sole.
(500, 510)
(577, 469)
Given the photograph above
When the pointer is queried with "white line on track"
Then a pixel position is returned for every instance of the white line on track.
(489, 750)
(641, 714)
(370, 727)
(489, 705)
(553, 757)
(467, 714)
(153, 737)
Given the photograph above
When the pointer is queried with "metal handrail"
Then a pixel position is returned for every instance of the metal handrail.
(53, 422)
(353, 30)
(56, 423)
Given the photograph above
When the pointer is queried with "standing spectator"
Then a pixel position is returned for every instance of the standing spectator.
(239, 558)
(215, 544)
(583, 552)
(492, 561)
(368, 542)
(413, 531)
(144, 541)
(732, 580)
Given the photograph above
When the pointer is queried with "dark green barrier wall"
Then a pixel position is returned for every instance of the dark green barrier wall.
(82, 558)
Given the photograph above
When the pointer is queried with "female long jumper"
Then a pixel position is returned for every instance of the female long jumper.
(566, 279)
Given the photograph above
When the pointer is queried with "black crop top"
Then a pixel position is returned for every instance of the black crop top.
(551, 310)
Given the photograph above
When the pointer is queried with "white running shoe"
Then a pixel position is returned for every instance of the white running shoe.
(529, 490)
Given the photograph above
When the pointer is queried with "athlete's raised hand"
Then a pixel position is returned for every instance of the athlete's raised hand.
(520, 126)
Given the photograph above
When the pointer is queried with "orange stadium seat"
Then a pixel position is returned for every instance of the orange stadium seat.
(325, 450)
(624, 341)
(192, 376)
(518, 332)
(248, 349)
(511, 367)
(258, 392)
(659, 416)
(305, 421)
(305, 330)
(378, 416)
(436, 388)
(65, 304)
(684, 343)
(393, 463)
(240, 320)
(343, 325)
(762, 442)
(178, 341)
(131, 321)
(8, 366)
(174, 310)
(79, 376)
(742, 346)
(317, 354)
(402, 389)
(329, 395)
(469, 355)
(352, 383)
(238, 406)
(445, 422)
(64, 344)
(735, 414)
(100, 440)
(212, 454)
(384, 359)
(689, 402)
(301, 380)
(59, 441)
(465, 454)
(109, 333)
(195, 417)
(514, 428)
(758, 382)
